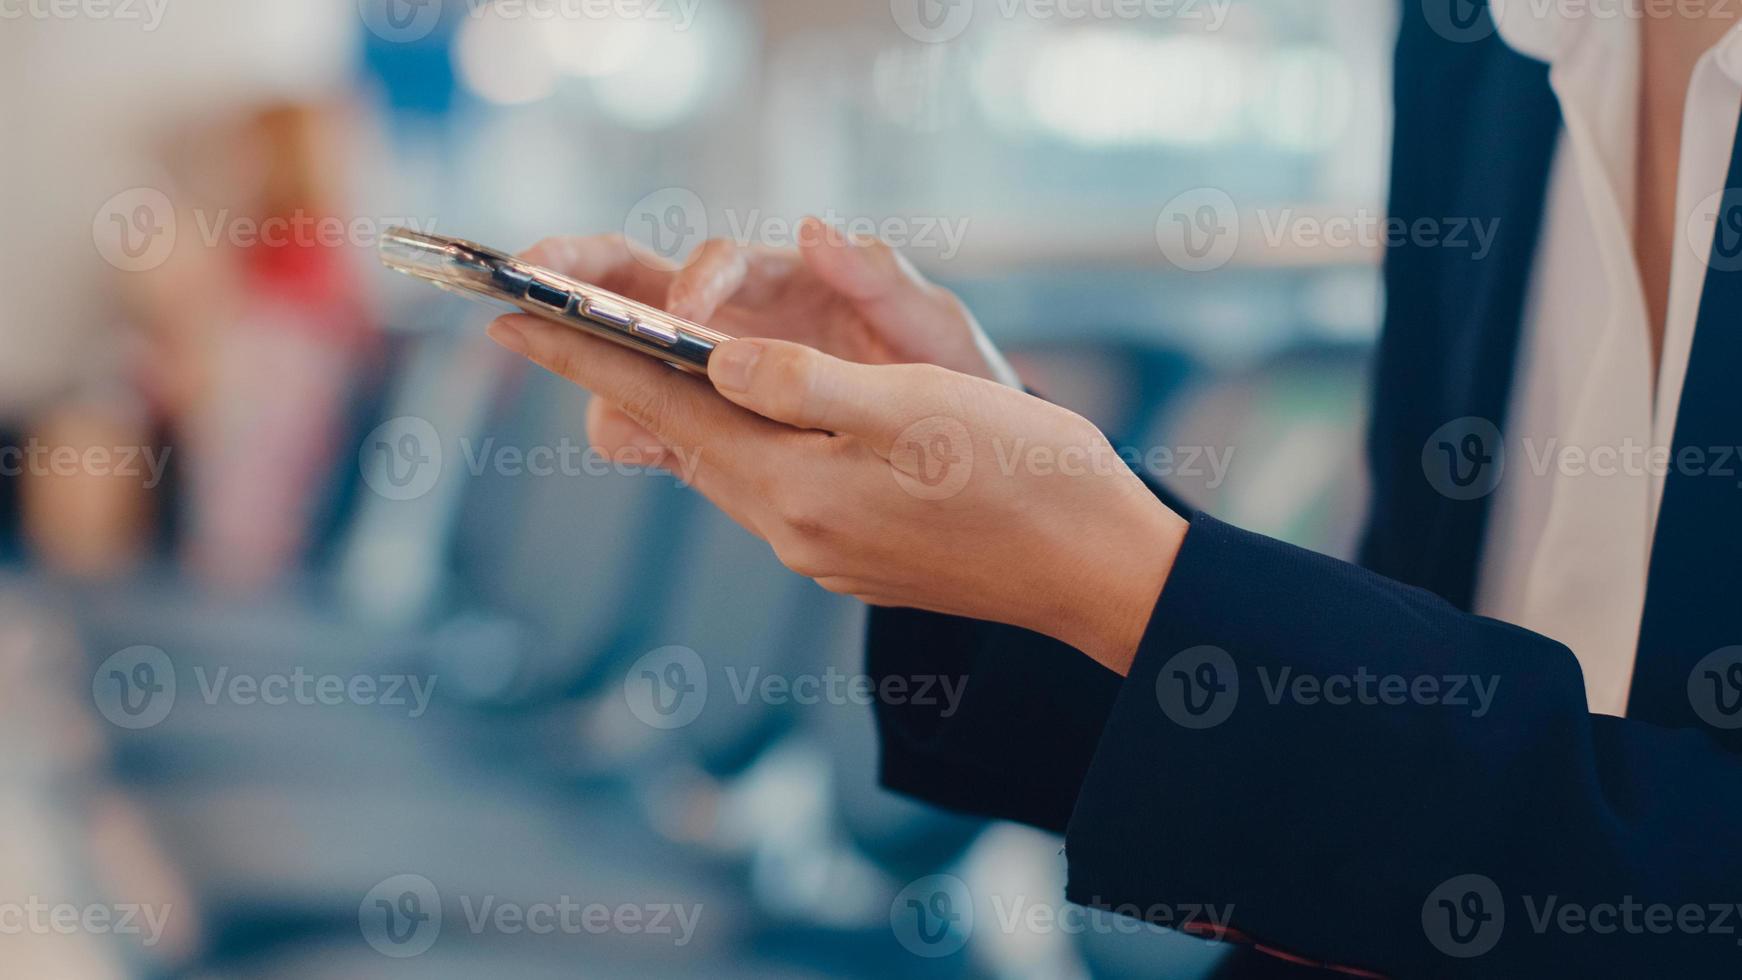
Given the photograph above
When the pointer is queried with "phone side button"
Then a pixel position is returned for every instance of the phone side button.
(658, 333)
(609, 315)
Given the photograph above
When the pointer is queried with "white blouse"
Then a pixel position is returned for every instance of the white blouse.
(1589, 429)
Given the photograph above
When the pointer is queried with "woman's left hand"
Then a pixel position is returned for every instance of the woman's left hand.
(903, 485)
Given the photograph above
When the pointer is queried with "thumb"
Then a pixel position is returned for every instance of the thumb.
(808, 389)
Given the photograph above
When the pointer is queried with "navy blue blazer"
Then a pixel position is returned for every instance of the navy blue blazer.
(1423, 827)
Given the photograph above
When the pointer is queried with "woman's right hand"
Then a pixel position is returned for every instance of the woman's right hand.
(857, 300)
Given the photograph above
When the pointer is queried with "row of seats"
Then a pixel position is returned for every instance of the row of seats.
(531, 600)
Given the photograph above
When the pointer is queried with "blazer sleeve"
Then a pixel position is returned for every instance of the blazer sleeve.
(1015, 723)
(1363, 774)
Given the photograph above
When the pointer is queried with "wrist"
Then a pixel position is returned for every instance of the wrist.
(1118, 589)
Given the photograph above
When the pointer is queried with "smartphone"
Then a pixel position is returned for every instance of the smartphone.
(485, 274)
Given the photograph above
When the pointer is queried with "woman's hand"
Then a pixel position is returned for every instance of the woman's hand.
(903, 485)
(858, 300)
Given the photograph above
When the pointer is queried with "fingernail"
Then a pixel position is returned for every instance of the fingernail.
(732, 362)
(508, 336)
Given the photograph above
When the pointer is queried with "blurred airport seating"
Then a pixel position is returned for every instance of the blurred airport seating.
(530, 599)
(529, 775)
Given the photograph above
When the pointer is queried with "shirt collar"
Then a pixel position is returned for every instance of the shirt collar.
(1729, 54)
(1547, 31)
(1535, 30)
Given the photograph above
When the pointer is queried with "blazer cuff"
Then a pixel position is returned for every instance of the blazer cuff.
(1191, 795)
(1015, 724)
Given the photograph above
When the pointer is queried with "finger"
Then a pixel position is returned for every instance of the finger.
(715, 272)
(676, 408)
(724, 271)
(879, 280)
(610, 261)
(710, 443)
(623, 439)
(804, 387)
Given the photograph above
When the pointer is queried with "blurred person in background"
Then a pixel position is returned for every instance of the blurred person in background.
(241, 369)
(228, 397)
(259, 383)
(235, 112)
(1378, 838)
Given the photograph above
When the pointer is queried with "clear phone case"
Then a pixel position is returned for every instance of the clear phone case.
(472, 270)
